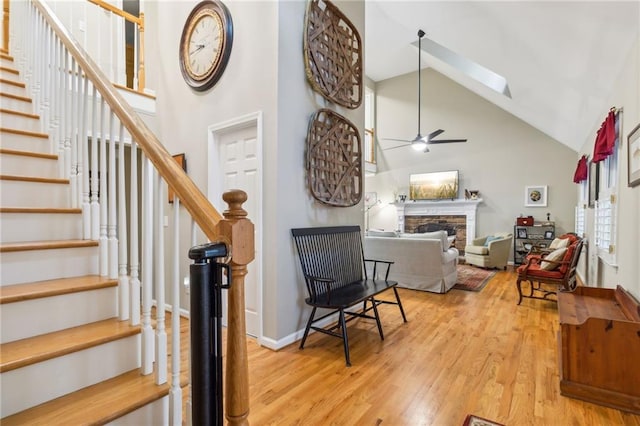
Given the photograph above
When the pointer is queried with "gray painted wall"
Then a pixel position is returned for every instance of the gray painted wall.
(503, 154)
(265, 73)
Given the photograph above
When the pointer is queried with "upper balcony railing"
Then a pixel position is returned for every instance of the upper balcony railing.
(135, 51)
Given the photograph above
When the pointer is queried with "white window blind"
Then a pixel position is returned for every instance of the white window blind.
(605, 227)
(580, 220)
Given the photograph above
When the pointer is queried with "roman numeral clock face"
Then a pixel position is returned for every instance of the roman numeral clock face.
(205, 45)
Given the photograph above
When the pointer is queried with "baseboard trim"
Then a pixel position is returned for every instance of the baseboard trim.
(276, 345)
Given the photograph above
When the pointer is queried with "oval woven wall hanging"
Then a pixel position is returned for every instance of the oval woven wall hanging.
(334, 159)
(332, 54)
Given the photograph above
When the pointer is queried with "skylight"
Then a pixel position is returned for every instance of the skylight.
(475, 71)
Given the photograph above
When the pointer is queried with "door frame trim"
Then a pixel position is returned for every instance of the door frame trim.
(214, 187)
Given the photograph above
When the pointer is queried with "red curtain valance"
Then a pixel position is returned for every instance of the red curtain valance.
(606, 138)
(581, 171)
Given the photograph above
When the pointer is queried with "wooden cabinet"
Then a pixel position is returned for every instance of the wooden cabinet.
(599, 347)
(527, 237)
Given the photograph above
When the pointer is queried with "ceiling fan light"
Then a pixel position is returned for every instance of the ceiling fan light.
(419, 145)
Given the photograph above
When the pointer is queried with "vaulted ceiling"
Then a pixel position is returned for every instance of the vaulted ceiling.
(559, 58)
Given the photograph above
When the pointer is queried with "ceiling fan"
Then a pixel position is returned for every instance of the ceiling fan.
(420, 143)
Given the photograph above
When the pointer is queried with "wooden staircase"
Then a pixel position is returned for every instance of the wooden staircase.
(65, 357)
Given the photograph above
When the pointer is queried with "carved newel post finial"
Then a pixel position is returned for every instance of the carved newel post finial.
(235, 199)
(240, 232)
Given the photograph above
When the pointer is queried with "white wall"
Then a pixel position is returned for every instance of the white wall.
(502, 156)
(626, 95)
(265, 73)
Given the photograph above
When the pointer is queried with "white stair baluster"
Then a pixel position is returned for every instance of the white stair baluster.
(175, 394)
(102, 180)
(147, 261)
(134, 263)
(123, 278)
(94, 170)
(159, 274)
(67, 114)
(45, 124)
(60, 107)
(111, 206)
(84, 142)
(35, 82)
(73, 142)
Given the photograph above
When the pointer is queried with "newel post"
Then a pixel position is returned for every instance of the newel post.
(239, 231)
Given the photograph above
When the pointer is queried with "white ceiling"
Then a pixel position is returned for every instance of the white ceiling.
(559, 58)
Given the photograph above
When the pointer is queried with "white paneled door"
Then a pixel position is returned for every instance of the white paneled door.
(236, 164)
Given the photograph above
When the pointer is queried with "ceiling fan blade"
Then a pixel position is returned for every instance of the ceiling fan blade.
(394, 147)
(434, 134)
(446, 141)
(397, 140)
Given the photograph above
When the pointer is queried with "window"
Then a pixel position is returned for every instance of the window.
(605, 212)
(581, 209)
(369, 119)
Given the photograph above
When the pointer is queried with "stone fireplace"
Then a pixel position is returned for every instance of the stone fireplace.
(457, 217)
(455, 225)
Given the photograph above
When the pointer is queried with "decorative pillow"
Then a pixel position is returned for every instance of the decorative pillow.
(555, 255)
(559, 243)
(491, 238)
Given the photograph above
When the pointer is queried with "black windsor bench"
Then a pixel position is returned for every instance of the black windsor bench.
(334, 270)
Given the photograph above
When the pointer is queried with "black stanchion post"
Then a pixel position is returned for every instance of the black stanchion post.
(206, 277)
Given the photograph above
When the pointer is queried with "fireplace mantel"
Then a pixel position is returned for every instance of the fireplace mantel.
(465, 208)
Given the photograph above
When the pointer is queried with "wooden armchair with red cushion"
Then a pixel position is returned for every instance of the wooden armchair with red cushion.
(556, 268)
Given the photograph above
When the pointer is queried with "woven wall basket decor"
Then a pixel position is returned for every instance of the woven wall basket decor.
(333, 54)
(334, 159)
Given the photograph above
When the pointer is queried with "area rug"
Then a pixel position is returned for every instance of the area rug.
(472, 278)
(473, 420)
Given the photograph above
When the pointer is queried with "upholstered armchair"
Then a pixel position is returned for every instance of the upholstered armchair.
(489, 252)
(556, 268)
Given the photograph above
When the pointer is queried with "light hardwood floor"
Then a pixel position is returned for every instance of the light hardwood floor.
(459, 353)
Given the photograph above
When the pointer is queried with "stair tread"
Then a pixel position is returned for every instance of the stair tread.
(20, 113)
(34, 179)
(51, 210)
(13, 83)
(28, 154)
(11, 70)
(24, 133)
(16, 97)
(46, 245)
(35, 290)
(36, 349)
(97, 404)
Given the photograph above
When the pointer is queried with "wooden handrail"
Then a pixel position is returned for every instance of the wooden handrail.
(5, 27)
(196, 203)
(111, 8)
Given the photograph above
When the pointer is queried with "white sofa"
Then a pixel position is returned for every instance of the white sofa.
(422, 261)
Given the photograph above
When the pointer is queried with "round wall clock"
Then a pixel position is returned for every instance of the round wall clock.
(205, 45)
